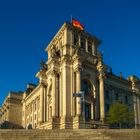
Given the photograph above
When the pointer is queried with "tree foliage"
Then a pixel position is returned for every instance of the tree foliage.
(119, 114)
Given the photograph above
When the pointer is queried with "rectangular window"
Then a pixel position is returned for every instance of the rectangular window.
(117, 96)
(107, 108)
(83, 42)
(107, 95)
(126, 100)
(75, 39)
(89, 47)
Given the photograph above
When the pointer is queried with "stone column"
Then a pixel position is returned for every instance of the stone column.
(61, 95)
(92, 111)
(66, 94)
(74, 91)
(137, 103)
(64, 90)
(44, 107)
(93, 48)
(86, 45)
(53, 94)
(46, 104)
(102, 100)
(78, 83)
(37, 111)
(101, 69)
(135, 109)
(47, 107)
(23, 115)
(41, 102)
(33, 117)
(57, 96)
(79, 40)
(133, 79)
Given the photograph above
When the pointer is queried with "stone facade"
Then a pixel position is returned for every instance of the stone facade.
(75, 65)
(11, 110)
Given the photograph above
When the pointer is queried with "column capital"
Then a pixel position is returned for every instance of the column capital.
(43, 83)
(65, 58)
(55, 73)
(78, 69)
(133, 79)
(101, 69)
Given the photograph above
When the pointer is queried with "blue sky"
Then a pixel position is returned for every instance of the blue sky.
(26, 27)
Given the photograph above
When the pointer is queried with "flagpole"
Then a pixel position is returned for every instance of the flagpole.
(71, 18)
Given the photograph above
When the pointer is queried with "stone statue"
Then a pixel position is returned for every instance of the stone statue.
(43, 65)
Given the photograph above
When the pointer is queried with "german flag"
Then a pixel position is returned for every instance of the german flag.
(77, 24)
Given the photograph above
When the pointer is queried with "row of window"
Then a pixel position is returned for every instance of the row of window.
(31, 109)
(83, 43)
(107, 96)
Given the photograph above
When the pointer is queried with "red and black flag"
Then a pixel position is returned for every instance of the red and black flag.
(77, 24)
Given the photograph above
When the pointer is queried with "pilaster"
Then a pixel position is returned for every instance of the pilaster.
(53, 94)
(66, 86)
(78, 89)
(42, 102)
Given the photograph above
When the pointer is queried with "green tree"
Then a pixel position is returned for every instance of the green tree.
(119, 114)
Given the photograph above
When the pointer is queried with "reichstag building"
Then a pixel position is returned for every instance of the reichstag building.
(76, 88)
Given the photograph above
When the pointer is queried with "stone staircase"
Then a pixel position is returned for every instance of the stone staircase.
(82, 134)
(122, 134)
(69, 134)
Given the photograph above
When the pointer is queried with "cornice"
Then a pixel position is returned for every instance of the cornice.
(116, 88)
(32, 93)
(69, 26)
(57, 36)
(118, 79)
(118, 84)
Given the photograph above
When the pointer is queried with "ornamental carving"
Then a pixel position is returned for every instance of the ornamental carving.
(101, 67)
(133, 79)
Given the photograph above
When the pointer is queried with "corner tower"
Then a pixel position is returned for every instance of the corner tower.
(71, 68)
